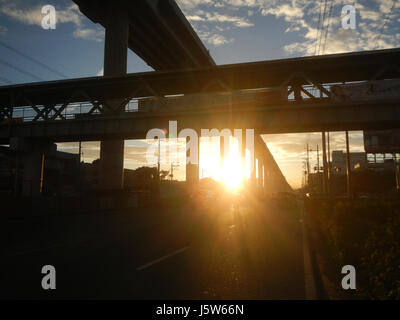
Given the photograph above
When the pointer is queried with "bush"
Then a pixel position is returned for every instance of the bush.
(366, 234)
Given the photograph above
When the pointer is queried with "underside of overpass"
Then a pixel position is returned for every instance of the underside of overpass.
(158, 32)
(268, 96)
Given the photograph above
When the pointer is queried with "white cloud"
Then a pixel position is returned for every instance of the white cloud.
(302, 17)
(214, 39)
(3, 30)
(223, 18)
(89, 34)
(195, 18)
(211, 19)
(33, 16)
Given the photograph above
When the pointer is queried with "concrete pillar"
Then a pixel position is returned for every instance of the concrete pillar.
(260, 174)
(115, 63)
(242, 145)
(266, 178)
(253, 171)
(33, 156)
(223, 154)
(32, 173)
(192, 169)
(263, 177)
(223, 149)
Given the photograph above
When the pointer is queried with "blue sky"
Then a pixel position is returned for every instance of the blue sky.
(233, 31)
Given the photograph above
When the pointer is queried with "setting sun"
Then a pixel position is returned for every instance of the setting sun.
(232, 168)
(231, 171)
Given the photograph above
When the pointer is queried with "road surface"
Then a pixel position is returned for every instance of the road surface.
(254, 251)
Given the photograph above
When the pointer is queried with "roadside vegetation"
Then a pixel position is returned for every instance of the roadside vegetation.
(364, 233)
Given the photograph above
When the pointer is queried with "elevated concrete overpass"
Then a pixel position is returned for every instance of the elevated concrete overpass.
(285, 118)
(317, 71)
(159, 33)
(270, 179)
(301, 79)
(299, 109)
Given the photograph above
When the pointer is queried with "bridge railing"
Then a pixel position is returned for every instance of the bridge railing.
(263, 96)
(71, 111)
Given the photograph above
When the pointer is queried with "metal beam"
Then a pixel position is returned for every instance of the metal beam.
(292, 118)
(359, 66)
(165, 19)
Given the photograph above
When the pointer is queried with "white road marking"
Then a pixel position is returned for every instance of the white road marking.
(309, 280)
(161, 259)
(49, 247)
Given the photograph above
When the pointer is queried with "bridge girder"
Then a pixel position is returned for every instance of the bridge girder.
(291, 73)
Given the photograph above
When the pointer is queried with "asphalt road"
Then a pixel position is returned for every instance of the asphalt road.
(252, 252)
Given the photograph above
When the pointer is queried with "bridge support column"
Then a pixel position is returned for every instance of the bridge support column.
(224, 146)
(264, 184)
(115, 62)
(253, 170)
(33, 161)
(266, 178)
(260, 175)
(249, 144)
(262, 178)
(192, 169)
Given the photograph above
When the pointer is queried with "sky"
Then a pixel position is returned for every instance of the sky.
(232, 30)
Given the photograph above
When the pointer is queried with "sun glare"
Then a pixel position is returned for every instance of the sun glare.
(232, 168)
(231, 172)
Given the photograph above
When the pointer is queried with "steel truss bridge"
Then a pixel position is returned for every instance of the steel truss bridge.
(86, 109)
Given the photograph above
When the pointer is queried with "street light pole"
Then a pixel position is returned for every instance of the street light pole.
(348, 169)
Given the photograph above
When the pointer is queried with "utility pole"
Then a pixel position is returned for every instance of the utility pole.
(329, 166)
(80, 152)
(308, 165)
(304, 176)
(42, 174)
(396, 171)
(158, 162)
(318, 176)
(325, 164)
(348, 169)
(329, 160)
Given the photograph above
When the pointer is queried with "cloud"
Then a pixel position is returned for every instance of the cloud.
(371, 30)
(89, 34)
(33, 15)
(377, 23)
(3, 30)
(240, 22)
(211, 19)
(289, 150)
(214, 39)
(195, 18)
(286, 11)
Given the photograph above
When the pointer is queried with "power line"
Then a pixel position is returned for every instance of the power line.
(319, 26)
(384, 22)
(20, 70)
(322, 26)
(5, 80)
(327, 27)
(33, 60)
